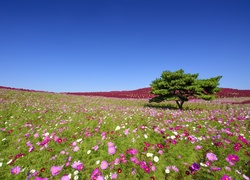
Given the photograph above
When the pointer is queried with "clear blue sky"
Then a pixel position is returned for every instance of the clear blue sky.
(105, 45)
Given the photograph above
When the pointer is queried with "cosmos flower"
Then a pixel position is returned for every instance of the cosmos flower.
(15, 170)
(76, 148)
(104, 165)
(225, 177)
(55, 170)
(232, 158)
(211, 157)
(111, 150)
(77, 165)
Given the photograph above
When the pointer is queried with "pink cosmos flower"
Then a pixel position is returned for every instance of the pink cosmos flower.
(114, 176)
(65, 177)
(175, 168)
(78, 165)
(110, 144)
(117, 161)
(103, 135)
(55, 170)
(111, 150)
(211, 157)
(99, 178)
(95, 148)
(126, 132)
(104, 165)
(153, 168)
(160, 152)
(15, 170)
(31, 148)
(76, 148)
(198, 147)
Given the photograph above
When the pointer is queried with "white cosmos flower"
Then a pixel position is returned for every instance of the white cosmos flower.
(32, 171)
(69, 175)
(202, 164)
(3, 139)
(146, 136)
(76, 172)
(117, 128)
(23, 169)
(89, 151)
(76, 177)
(1, 164)
(149, 155)
(9, 161)
(79, 140)
(46, 134)
(98, 162)
(156, 159)
(172, 137)
(167, 171)
(175, 133)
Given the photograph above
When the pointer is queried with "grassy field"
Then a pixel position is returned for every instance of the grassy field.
(58, 136)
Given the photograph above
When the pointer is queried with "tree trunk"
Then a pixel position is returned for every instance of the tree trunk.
(180, 104)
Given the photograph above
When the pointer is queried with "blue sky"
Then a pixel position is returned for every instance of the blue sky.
(105, 45)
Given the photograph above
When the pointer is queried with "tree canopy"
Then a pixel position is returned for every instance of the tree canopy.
(180, 87)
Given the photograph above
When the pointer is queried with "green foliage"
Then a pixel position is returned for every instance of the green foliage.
(180, 87)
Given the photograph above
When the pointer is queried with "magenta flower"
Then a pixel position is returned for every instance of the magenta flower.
(237, 146)
(232, 158)
(45, 141)
(104, 165)
(15, 170)
(95, 174)
(55, 170)
(225, 177)
(241, 138)
(78, 165)
(146, 169)
(211, 157)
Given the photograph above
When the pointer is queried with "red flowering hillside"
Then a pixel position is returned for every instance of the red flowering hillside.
(142, 93)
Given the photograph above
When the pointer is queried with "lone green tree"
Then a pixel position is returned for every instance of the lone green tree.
(180, 87)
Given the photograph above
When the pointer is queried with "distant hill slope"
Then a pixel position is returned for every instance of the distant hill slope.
(144, 93)
(141, 93)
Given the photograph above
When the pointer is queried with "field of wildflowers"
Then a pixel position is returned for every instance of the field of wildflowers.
(60, 137)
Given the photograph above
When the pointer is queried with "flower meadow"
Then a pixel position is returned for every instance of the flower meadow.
(58, 136)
